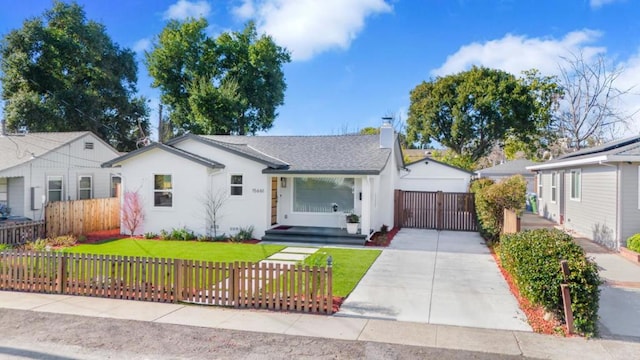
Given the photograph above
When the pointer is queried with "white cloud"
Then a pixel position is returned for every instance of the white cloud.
(185, 9)
(515, 53)
(599, 3)
(142, 45)
(310, 27)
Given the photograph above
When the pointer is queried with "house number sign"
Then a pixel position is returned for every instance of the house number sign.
(257, 191)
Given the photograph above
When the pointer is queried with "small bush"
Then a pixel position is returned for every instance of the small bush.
(5, 247)
(633, 243)
(244, 234)
(533, 259)
(182, 234)
(491, 200)
(82, 239)
(150, 235)
(164, 235)
(62, 241)
(37, 245)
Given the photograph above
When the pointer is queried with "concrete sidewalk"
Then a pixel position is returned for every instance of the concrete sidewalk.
(436, 277)
(344, 328)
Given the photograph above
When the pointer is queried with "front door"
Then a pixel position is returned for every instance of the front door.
(274, 200)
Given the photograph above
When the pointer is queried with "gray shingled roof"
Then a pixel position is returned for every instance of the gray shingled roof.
(179, 152)
(342, 154)
(19, 149)
(508, 168)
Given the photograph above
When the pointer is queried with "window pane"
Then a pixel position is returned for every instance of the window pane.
(163, 182)
(236, 190)
(162, 198)
(236, 179)
(115, 183)
(55, 196)
(85, 194)
(55, 184)
(85, 182)
(319, 194)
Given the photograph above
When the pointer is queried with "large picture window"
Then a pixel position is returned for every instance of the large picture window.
(163, 191)
(576, 180)
(84, 187)
(318, 195)
(54, 188)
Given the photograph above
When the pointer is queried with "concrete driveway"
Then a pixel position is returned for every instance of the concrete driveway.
(433, 277)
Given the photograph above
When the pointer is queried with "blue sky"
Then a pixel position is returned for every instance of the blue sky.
(355, 61)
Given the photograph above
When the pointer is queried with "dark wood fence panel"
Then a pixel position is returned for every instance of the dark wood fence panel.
(241, 285)
(20, 233)
(435, 210)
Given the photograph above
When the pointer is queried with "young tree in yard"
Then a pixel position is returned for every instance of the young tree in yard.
(213, 203)
(62, 72)
(132, 211)
(589, 108)
(231, 84)
(471, 111)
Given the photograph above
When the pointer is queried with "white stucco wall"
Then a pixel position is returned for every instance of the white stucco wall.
(427, 175)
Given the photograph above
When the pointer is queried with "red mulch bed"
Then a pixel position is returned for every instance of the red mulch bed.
(376, 241)
(534, 313)
(98, 236)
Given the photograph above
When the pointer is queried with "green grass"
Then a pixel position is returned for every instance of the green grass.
(191, 250)
(349, 266)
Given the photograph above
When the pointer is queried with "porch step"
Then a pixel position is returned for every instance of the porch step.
(338, 240)
(313, 234)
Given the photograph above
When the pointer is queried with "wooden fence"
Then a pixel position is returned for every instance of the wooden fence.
(435, 210)
(80, 217)
(21, 232)
(241, 285)
(511, 223)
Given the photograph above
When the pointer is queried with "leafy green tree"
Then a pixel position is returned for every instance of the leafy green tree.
(471, 111)
(449, 157)
(231, 84)
(62, 72)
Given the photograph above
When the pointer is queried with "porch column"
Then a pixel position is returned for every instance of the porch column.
(365, 218)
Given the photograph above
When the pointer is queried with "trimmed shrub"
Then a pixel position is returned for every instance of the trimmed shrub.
(491, 200)
(633, 243)
(533, 259)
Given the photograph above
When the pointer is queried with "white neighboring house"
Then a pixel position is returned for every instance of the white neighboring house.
(594, 191)
(36, 168)
(430, 175)
(508, 169)
(265, 181)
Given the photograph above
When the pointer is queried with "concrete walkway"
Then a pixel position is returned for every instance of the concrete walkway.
(436, 277)
(345, 328)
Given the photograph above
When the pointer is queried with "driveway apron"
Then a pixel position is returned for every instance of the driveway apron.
(436, 277)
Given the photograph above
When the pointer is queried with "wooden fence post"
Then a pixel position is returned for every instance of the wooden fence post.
(566, 296)
(177, 280)
(234, 284)
(330, 290)
(61, 276)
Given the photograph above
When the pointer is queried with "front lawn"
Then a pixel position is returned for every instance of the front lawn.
(349, 266)
(189, 250)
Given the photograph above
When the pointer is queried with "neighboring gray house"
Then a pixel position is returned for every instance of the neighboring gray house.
(594, 191)
(36, 168)
(508, 169)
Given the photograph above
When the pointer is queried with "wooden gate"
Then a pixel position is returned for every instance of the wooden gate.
(435, 210)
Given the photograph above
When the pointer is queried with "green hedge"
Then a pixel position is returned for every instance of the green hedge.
(533, 259)
(633, 243)
(491, 200)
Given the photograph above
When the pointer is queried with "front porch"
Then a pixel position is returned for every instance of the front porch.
(313, 234)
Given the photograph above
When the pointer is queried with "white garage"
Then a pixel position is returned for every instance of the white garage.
(431, 175)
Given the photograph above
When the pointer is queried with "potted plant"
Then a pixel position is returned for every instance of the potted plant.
(4, 211)
(352, 223)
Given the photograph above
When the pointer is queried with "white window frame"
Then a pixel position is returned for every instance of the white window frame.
(170, 191)
(554, 187)
(539, 186)
(240, 186)
(638, 187)
(81, 189)
(111, 187)
(572, 190)
(4, 191)
(54, 178)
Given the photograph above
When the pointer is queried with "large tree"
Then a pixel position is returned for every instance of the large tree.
(62, 72)
(589, 110)
(471, 111)
(231, 84)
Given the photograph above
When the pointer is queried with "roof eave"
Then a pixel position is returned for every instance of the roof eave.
(320, 172)
(569, 163)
